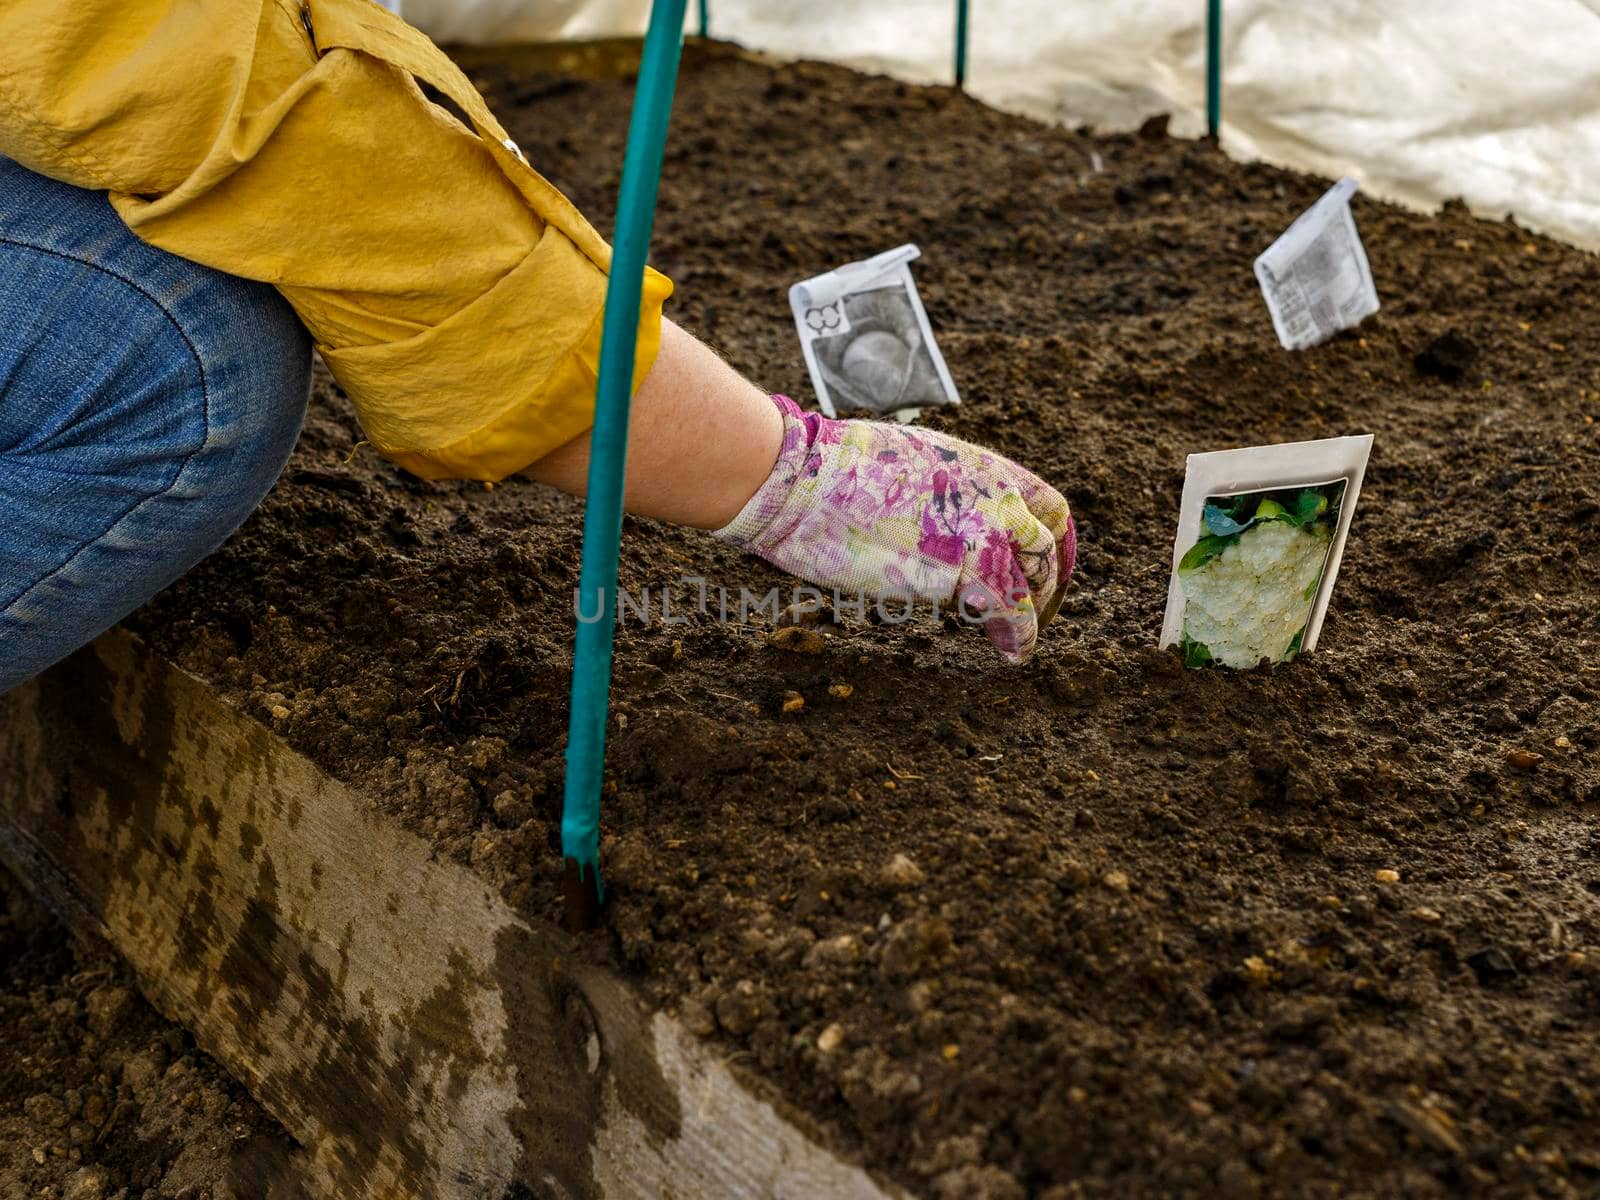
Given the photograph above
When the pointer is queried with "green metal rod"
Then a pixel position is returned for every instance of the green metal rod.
(961, 43)
(1213, 66)
(602, 518)
(705, 18)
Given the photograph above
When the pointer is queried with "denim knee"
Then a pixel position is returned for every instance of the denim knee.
(254, 364)
(147, 404)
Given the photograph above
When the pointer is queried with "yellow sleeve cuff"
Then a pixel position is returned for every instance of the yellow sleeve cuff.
(496, 370)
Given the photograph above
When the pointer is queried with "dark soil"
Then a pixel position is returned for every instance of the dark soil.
(101, 1099)
(1303, 932)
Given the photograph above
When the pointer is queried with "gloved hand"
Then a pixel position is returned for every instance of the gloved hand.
(890, 510)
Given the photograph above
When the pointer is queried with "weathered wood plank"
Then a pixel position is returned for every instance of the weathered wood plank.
(413, 1034)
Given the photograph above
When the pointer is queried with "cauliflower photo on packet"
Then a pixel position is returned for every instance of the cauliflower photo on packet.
(1260, 539)
(1250, 581)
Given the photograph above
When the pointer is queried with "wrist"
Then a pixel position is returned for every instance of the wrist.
(801, 431)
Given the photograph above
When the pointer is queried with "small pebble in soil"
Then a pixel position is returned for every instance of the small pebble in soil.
(838, 951)
(1256, 971)
(831, 1038)
(796, 640)
(901, 872)
(840, 691)
(1074, 877)
(1523, 760)
(739, 1008)
(1428, 916)
(811, 612)
(1117, 881)
(87, 1183)
(1386, 875)
(1428, 1124)
(793, 702)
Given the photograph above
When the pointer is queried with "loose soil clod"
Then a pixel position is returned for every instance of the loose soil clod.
(796, 640)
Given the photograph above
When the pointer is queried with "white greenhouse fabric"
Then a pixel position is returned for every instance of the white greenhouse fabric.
(1495, 101)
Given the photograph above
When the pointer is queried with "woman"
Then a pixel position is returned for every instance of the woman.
(199, 191)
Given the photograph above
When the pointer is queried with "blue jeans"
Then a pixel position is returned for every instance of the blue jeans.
(147, 404)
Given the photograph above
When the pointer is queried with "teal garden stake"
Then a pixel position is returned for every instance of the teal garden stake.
(1213, 66)
(705, 18)
(961, 43)
(602, 518)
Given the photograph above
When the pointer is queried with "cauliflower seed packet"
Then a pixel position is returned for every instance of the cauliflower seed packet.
(1260, 538)
(866, 338)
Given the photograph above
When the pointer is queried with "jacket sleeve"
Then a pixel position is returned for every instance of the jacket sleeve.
(453, 292)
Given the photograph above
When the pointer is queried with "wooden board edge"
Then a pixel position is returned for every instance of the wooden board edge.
(412, 1033)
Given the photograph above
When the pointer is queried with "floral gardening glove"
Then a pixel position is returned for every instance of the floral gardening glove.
(884, 509)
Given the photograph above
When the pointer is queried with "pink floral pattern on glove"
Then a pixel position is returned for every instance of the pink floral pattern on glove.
(884, 509)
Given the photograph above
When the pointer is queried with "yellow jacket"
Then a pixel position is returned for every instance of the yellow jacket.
(452, 291)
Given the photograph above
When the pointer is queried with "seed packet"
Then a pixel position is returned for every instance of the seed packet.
(1316, 278)
(866, 338)
(1260, 538)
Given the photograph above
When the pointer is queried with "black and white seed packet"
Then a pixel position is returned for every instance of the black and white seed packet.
(867, 341)
(1316, 278)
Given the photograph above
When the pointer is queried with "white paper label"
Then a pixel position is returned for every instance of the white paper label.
(1316, 278)
(866, 338)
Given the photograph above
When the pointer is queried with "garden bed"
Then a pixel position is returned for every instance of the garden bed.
(1095, 926)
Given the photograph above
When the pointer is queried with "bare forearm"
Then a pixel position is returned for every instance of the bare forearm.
(855, 504)
(701, 439)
